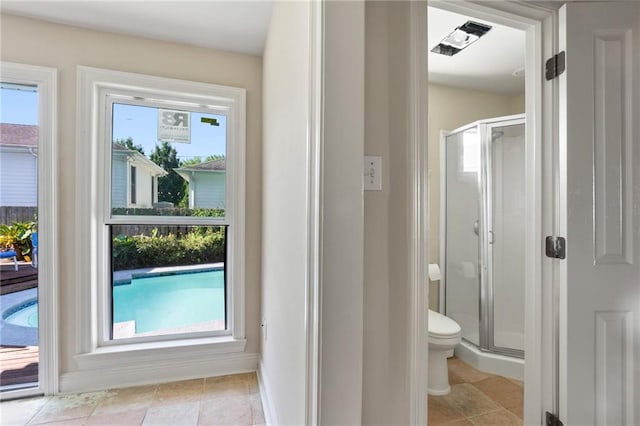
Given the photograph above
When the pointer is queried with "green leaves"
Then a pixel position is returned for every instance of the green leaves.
(17, 236)
(202, 244)
(171, 187)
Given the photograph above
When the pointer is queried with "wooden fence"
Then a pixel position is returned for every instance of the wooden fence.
(10, 214)
(130, 230)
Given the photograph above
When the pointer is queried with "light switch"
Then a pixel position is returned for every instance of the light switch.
(372, 173)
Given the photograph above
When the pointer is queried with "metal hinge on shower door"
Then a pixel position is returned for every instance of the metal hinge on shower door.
(554, 66)
(555, 247)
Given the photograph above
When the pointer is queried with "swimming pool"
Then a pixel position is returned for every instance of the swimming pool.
(24, 315)
(170, 301)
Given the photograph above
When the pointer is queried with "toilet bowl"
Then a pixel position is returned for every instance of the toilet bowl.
(444, 335)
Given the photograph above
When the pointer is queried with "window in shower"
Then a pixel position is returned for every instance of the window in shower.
(470, 151)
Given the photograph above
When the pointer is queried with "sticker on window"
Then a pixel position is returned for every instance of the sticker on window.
(174, 126)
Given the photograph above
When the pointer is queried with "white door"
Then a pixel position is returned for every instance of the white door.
(600, 214)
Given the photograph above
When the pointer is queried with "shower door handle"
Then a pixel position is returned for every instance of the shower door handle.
(491, 237)
(476, 227)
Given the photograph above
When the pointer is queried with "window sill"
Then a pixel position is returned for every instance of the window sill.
(159, 352)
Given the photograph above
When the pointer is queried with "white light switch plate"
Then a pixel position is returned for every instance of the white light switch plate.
(372, 173)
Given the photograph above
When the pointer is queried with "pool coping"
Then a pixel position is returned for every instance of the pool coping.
(121, 277)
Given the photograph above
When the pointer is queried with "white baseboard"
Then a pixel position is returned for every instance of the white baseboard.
(268, 408)
(158, 372)
(491, 363)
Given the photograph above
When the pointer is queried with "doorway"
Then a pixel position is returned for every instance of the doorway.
(28, 199)
(19, 350)
(477, 166)
(536, 24)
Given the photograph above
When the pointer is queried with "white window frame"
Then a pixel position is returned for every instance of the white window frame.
(96, 91)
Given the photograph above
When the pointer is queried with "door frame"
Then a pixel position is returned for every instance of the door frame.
(45, 79)
(540, 312)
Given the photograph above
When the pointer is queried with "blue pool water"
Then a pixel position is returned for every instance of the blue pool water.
(170, 301)
(26, 315)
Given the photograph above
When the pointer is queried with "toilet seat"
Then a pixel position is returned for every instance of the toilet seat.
(442, 326)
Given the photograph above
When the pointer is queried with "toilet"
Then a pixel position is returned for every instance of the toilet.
(444, 335)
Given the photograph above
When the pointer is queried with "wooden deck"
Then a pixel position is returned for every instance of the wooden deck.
(24, 278)
(18, 364)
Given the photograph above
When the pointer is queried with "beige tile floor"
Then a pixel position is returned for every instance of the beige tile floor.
(228, 400)
(477, 398)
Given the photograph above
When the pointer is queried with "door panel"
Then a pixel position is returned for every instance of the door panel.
(462, 222)
(600, 207)
(507, 234)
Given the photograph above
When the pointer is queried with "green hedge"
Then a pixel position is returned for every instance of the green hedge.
(202, 245)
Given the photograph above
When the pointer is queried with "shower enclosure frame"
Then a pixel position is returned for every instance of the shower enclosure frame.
(485, 234)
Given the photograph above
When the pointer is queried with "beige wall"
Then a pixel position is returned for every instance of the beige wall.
(342, 212)
(63, 47)
(517, 104)
(386, 214)
(284, 218)
(450, 108)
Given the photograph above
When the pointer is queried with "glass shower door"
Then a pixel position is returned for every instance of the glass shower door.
(506, 236)
(461, 213)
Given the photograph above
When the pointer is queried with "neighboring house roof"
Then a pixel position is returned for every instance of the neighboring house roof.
(139, 160)
(207, 166)
(212, 166)
(18, 135)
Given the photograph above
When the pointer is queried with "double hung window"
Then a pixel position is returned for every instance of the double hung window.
(168, 233)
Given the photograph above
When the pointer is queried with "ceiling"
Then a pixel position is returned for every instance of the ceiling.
(237, 26)
(486, 65)
(241, 26)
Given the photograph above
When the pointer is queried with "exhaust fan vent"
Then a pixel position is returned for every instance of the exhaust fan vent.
(461, 37)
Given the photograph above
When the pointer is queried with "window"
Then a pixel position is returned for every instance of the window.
(471, 151)
(167, 264)
(133, 184)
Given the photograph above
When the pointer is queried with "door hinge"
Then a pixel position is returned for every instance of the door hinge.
(554, 66)
(555, 247)
(552, 419)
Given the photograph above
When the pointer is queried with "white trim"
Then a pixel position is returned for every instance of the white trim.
(46, 80)
(313, 312)
(92, 300)
(442, 308)
(488, 362)
(144, 373)
(419, 219)
(268, 407)
(158, 352)
(535, 20)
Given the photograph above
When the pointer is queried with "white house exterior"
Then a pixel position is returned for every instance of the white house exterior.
(134, 179)
(206, 183)
(18, 165)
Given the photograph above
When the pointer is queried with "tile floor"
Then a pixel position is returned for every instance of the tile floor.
(477, 398)
(227, 400)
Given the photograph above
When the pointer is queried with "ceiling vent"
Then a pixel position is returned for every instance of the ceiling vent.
(461, 37)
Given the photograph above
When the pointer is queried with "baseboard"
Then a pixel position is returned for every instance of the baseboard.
(268, 408)
(158, 372)
(491, 363)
